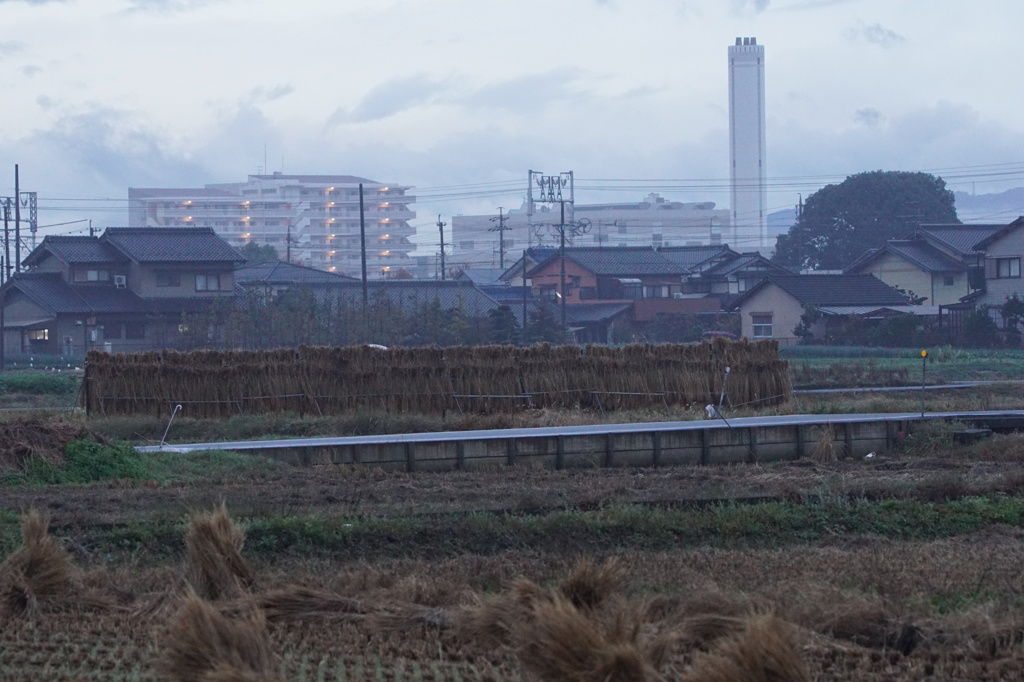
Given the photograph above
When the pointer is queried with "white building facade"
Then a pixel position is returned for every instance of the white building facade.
(318, 213)
(747, 158)
(652, 222)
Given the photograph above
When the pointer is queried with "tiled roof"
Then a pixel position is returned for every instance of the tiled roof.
(75, 250)
(281, 272)
(961, 238)
(833, 290)
(691, 256)
(580, 313)
(171, 244)
(840, 290)
(925, 256)
(50, 291)
(410, 294)
(743, 260)
(621, 261)
(481, 276)
(503, 293)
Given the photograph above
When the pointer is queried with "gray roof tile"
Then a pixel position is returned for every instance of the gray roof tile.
(832, 290)
(76, 250)
(171, 244)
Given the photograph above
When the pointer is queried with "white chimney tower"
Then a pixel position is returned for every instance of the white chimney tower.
(747, 165)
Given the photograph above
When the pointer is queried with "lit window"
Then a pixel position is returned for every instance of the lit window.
(39, 335)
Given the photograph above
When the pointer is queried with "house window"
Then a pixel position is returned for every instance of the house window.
(93, 276)
(1007, 268)
(207, 282)
(39, 335)
(547, 292)
(168, 278)
(134, 330)
(111, 331)
(761, 325)
(947, 280)
(656, 292)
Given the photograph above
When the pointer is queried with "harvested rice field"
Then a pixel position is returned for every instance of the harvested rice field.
(905, 566)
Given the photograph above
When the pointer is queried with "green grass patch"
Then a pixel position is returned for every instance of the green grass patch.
(39, 383)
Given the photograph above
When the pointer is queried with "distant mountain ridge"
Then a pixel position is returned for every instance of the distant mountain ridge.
(1001, 207)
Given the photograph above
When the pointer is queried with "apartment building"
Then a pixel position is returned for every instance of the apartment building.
(317, 216)
(654, 222)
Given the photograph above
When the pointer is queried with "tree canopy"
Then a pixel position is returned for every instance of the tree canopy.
(258, 253)
(840, 222)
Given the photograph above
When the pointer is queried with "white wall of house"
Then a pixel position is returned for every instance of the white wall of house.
(938, 288)
(785, 314)
(1003, 262)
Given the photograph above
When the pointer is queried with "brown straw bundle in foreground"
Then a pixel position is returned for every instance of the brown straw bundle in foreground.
(38, 571)
(204, 645)
(213, 547)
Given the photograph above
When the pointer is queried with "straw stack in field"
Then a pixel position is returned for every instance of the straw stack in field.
(214, 384)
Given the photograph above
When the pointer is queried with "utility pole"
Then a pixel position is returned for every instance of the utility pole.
(3, 322)
(525, 320)
(561, 267)
(7, 239)
(500, 229)
(362, 245)
(17, 221)
(440, 228)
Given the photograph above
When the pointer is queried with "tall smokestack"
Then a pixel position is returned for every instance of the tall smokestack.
(747, 163)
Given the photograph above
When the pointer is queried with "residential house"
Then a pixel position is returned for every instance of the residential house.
(919, 268)
(125, 290)
(949, 264)
(772, 308)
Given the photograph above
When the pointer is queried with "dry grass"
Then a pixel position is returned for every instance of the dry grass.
(216, 568)
(204, 645)
(304, 603)
(37, 572)
(764, 651)
(824, 451)
(43, 437)
(487, 379)
(589, 583)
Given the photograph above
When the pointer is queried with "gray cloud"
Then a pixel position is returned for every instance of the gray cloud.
(875, 34)
(31, 70)
(9, 47)
(527, 93)
(261, 94)
(869, 117)
(755, 6)
(168, 6)
(390, 98)
(45, 102)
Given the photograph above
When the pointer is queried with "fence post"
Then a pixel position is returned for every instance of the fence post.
(460, 455)
(559, 452)
(510, 452)
(705, 447)
(609, 451)
(655, 448)
(410, 459)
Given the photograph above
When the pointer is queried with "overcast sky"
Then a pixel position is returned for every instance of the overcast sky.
(460, 98)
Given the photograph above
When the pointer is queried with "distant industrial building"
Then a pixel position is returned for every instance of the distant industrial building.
(653, 222)
(316, 215)
(747, 162)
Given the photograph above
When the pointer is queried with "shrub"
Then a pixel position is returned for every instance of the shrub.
(36, 383)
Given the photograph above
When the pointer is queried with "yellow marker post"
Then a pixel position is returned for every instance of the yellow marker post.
(924, 370)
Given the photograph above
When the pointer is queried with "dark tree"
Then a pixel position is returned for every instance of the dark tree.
(840, 222)
(258, 253)
(502, 326)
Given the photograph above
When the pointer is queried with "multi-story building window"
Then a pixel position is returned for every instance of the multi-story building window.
(1007, 268)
